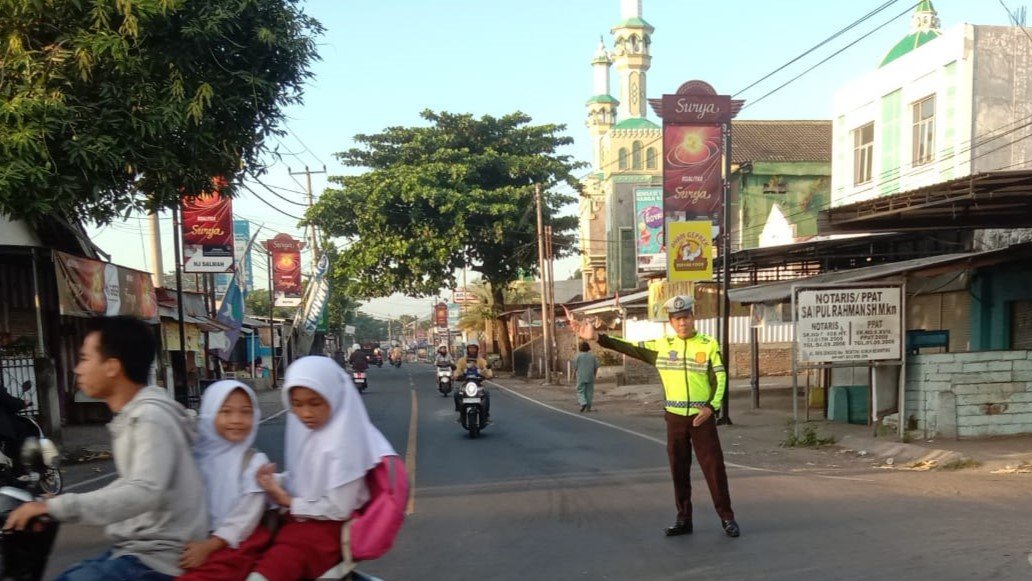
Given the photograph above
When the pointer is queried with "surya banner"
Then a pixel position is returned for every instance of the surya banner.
(91, 288)
(286, 270)
(690, 251)
(207, 232)
(692, 181)
(648, 220)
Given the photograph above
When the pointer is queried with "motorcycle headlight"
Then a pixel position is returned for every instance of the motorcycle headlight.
(471, 389)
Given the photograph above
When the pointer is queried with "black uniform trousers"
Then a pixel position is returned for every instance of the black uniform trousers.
(681, 437)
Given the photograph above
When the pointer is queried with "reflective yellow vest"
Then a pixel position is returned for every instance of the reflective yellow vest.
(685, 366)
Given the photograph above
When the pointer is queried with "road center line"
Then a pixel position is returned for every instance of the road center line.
(410, 454)
(662, 442)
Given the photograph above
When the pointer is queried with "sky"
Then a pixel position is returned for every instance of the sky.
(384, 61)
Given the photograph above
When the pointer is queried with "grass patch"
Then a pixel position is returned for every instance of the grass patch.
(809, 438)
(960, 464)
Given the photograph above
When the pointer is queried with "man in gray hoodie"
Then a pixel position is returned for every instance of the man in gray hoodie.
(156, 505)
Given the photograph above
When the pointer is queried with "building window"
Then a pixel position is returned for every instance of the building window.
(623, 158)
(863, 154)
(924, 131)
(636, 155)
(650, 158)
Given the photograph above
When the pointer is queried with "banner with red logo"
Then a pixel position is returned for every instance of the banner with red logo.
(91, 288)
(208, 231)
(692, 181)
(441, 315)
(286, 270)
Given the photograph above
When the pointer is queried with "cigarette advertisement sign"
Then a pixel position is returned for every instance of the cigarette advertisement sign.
(648, 219)
(690, 251)
(91, 288)
(849, 324)
(692, 181)
(207, 232)
(286, 270)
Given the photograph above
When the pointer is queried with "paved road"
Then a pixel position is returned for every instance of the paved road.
(550, 495)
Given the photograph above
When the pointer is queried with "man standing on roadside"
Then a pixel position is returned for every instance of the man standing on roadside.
(585, 366)
(694, 381)
(156, 505)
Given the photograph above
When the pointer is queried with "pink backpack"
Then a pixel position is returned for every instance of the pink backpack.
(370, 532)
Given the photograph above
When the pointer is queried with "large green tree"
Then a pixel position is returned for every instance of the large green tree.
(456, 192)
(109, 106)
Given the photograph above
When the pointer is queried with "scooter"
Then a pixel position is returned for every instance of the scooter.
(359, 377)
(444, 381)
(24, 554)
(39, 461)
(396, 362)
(472, 414)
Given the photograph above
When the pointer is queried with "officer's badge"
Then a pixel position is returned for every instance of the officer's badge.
(700, 357)
(678, 304)
(673, 355)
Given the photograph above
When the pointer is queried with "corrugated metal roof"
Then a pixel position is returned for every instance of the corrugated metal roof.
(610, 304)
(771, 140)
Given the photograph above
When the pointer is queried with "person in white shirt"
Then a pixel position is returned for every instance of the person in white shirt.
(227, 428)
(330, 445)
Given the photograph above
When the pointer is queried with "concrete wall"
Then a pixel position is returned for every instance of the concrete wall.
(966, 395)
(1002, 98)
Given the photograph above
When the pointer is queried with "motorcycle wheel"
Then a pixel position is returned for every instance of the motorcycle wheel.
(51, 482)
(473, 422)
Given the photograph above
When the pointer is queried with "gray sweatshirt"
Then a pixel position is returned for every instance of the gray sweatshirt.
(157, 502)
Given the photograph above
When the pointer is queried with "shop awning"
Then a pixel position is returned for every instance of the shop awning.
(634, 299)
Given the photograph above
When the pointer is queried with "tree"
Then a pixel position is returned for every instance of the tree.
(485, 311)
(109, 107)
(257, 304)
(456, 193)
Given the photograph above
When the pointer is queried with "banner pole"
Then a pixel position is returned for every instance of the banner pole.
(176, 225)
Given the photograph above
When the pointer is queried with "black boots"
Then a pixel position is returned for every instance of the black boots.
(679, 528)
(730, 528)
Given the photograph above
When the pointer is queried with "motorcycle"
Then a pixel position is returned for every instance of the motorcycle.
(472, 414)
(396, 362)
(24, 554)
(376, 359)
(359, 377)
(444, 381)
(38, 466)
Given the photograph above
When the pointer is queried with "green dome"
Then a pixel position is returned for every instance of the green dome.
(636, 123)
(912, 41)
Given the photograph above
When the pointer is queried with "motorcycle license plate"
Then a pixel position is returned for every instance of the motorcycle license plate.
(471, 400)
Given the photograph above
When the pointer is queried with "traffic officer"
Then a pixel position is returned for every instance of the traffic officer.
(694, 380)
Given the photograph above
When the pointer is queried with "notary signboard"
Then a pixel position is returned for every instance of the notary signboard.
(849, 324)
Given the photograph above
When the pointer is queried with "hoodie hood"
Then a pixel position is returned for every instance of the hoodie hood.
(156, 396)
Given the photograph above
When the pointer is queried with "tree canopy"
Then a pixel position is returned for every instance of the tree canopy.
(108, 107)
(458, 192)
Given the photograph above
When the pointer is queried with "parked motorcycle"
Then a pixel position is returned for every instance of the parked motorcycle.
(24, 554)
(361, 382)
(37, 466)
(444, 380)
(472, 411)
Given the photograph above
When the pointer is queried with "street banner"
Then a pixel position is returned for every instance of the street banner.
(849, 324)
(692, 181)
(232, 310)
(650, 245)
(286, 270)
(441, 315)
(207, 222)
(241, 261)
(690, 251)
(464, 296)
(91, 288)
(318, 297)
(661, 291)
(454, 311)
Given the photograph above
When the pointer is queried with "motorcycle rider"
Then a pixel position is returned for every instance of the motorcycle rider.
(444, 358)
(358, 359)
(395, 354)
(472, 358)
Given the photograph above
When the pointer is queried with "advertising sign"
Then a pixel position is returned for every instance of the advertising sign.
(692, 181)
(207, 232)
(690, 251)
(464, 296)
(696, 108)
(648, 221)
(454, 311)
(849, 324)
(441, 315)
(90, 288)
(286, 270)
(241, 261)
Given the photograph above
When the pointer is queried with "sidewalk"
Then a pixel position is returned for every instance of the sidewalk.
(766, 428)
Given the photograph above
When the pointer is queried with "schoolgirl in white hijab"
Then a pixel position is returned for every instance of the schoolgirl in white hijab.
(227, 427)
(330, 445)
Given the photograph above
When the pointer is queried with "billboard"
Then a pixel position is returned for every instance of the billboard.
(690, 251)
(849, 324)
(286, 270)
(692, 180)
(242, 260)
(207, 228)
(91, 288)
(441, 315)
(650, 245)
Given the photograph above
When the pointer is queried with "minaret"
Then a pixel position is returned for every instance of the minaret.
(925, 18)
(631, 54)
(602, 105)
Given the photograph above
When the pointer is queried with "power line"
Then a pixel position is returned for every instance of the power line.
(267, 203)
(277, 194)
(299, 140)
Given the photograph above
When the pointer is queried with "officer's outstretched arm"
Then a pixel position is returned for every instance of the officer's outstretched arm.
(641, 350)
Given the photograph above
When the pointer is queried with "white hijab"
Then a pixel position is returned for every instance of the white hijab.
(343, 449)
(226, 480)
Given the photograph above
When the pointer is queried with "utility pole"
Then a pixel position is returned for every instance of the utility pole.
(272, 325)
(725, 261)
(315, 238)
(549, 266)
(179, 304)
(546, 335)
(155, 250)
